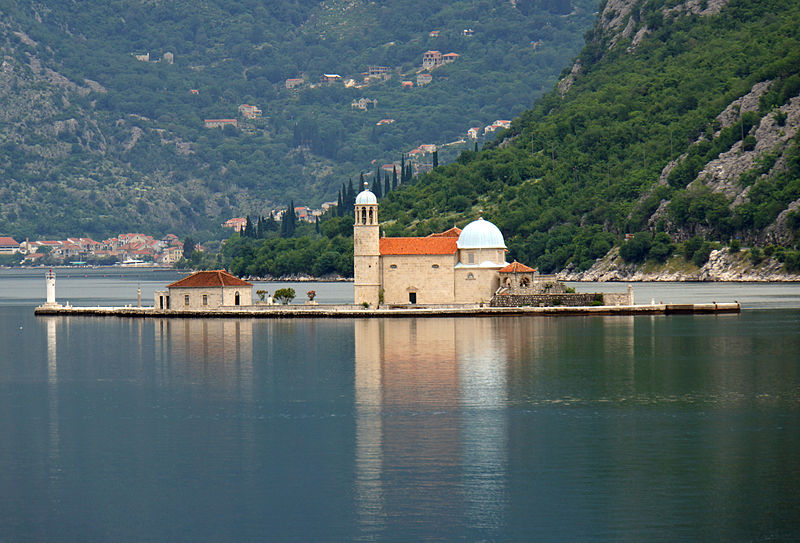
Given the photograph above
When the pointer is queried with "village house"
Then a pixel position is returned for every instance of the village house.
(433, 33)
(205, 290)
(467, 32)
(450, 57)
(8, 246)
(407, 84)
(330, 78)
(383, 122)
(424, 79)
(237, 223)
(249, 112)
(294, 82)
(431, 59)
(499, 124)
(473, 133)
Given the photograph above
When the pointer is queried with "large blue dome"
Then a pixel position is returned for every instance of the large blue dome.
(481, 234)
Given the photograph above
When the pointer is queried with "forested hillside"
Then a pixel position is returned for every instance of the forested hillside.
(103, 102)
(677, 126)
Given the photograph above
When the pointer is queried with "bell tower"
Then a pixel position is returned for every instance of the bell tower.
(366, 249)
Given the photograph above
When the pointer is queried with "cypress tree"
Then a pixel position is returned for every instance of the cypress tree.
(435, 158)
(403, 168)
(386, 186)
(316, 225)
(376, 186)
(248, 228)
(339, 209)
(350, 198)
(394, 177)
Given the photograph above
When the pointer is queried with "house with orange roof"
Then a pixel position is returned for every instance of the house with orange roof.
(209, 289)
(8, 246)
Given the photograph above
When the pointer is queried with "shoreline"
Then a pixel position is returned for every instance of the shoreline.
(355, 312)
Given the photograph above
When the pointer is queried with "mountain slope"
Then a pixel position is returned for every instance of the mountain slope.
(677, 117)
(105, 102)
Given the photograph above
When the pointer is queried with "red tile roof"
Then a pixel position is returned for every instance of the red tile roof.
(516, 267)
(419, 246)
(211, 278)
(8, 241)
(452, 233)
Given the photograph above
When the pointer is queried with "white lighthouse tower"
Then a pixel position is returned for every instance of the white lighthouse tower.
(50, 281)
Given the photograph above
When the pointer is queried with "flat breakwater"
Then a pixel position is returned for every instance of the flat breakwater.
(357, 312)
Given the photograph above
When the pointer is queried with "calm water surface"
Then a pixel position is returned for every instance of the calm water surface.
(673, 428)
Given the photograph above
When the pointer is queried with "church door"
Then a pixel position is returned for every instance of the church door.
(412, 297)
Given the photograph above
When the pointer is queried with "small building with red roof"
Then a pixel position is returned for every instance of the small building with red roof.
(209, 289)
(8, 246)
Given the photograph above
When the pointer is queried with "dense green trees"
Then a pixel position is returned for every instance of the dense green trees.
(145, 124)
(576, 173)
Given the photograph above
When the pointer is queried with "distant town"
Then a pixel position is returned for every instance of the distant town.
(130, 249)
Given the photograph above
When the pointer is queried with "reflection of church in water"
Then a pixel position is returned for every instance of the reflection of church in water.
(429, 422)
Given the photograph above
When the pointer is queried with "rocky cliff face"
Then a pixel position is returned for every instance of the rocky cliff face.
(722, 265)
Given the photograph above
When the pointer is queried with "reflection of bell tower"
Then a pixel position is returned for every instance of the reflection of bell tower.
(366, 249)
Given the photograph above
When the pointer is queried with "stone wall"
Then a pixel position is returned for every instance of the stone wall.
(545, 300)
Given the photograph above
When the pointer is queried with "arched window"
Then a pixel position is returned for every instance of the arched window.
(370, 216)
(470, 276)
(236, 299)
(363, 215)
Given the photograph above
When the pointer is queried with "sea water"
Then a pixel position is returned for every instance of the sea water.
(644, 428)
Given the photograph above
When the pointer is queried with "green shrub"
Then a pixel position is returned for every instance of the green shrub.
(284, 295)
(734, 246)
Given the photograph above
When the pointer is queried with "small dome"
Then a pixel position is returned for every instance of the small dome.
(366, 196)
(481, 234)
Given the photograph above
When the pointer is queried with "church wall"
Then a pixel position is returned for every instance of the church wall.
(417, 273)
(478, 287)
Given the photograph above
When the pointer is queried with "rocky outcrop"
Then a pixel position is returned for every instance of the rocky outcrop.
(721, 266)
(723, 173)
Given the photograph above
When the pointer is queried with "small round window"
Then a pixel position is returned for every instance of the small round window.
(435, 266)
(393, 267)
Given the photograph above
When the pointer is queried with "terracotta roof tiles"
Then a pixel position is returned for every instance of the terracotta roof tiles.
(211, 278)
(418, 246)
(516, 267)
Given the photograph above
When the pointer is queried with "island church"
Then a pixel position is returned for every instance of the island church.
(451, 267)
